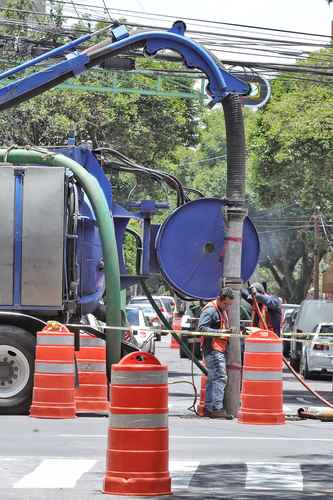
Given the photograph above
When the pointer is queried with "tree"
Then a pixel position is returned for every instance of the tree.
(204, 167)
(291, 160)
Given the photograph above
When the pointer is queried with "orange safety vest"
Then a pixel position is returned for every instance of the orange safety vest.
(218, 344)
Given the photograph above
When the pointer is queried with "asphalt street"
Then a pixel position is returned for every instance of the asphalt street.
(65, 459)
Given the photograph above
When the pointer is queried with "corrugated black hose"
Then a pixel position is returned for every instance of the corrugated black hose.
(236, 151)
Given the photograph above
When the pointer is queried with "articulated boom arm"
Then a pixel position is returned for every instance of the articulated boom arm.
(221, 83)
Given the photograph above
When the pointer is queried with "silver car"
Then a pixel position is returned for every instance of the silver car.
(317, 355)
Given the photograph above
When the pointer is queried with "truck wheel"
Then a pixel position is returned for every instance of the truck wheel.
(17, 353)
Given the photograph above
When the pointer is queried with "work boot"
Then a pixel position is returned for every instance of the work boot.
(220, 414)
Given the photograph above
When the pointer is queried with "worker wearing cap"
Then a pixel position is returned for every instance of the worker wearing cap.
(213, 318)
(269, 305)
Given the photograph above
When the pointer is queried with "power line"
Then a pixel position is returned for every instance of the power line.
(210, 22)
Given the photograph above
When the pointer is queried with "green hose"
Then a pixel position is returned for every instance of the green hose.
(37, 156)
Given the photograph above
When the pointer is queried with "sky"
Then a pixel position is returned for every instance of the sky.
(313, 16)
(306, 16)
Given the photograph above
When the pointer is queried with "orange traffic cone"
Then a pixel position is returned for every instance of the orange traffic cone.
(53, 394)
(201, 409)
(176, 326)
(138, 446)
(91, 395)
(262, 392)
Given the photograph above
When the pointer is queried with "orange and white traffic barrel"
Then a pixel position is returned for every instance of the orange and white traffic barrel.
(138, 444)
(53, 393)
(91, 395)
(262, 391)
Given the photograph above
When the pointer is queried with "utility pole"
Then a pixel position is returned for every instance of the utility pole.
(316, 253)
(235, 214)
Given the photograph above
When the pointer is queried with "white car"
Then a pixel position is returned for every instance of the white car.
(317, 356)
(140, 325)
(164, 306)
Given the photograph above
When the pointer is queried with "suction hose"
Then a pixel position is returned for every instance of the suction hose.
(38, 156)
(236, 151)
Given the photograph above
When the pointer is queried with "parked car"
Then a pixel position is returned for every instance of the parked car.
(149, 313)
(289, 313)
(145, 339)
(310, 313)
(289, 316)
(317, 357)
(164, 307)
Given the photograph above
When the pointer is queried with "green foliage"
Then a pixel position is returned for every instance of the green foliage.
(204, 167)
(291, 161)
(146, 128)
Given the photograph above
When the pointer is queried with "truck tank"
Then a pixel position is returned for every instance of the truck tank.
(51, 264)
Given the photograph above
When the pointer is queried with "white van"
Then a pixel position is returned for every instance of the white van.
(311, 313)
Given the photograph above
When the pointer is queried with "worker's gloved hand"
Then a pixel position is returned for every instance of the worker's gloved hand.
(253, 290)
(246, 294)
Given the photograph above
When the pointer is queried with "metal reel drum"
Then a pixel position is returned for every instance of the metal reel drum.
(190, 248)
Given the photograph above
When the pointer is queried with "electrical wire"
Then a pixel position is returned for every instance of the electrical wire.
(107, 11)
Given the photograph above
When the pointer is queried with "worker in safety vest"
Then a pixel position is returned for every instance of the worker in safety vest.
(269, 305)
(214, 317)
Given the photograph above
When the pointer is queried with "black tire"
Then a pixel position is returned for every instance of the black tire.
(24, 342)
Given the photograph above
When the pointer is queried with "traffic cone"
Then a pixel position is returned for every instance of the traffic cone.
(262, 391)
(138, 445)
(176, 326)
(53, 394)
(91, 395)
(201, 409)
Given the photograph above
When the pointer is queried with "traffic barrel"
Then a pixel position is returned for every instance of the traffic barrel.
(262, 391)
(201, 409)
(53, 393)
(176, 326)
(138, 436)
(92, 394)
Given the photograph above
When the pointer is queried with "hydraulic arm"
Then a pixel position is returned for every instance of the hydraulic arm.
(221, 83)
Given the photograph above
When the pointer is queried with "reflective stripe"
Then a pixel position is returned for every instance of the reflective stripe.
(91, 367)
(55, 340)
(54, 368)
(138, 420)
(139, 378)
(91, 342)
(249, 375)
(263, 347)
